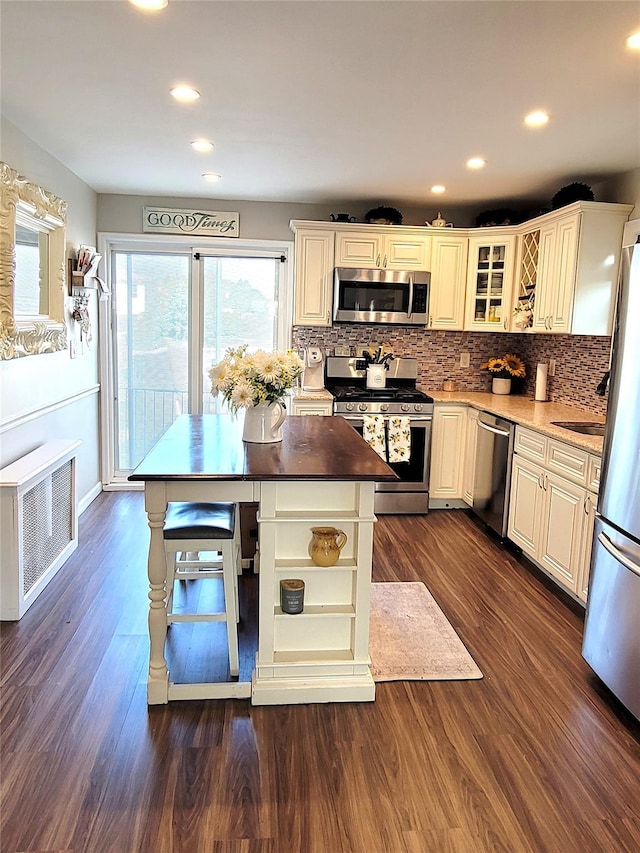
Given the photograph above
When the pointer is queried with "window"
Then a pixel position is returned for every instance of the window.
(175, 309)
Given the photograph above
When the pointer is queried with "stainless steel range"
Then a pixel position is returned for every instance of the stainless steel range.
(346, 380)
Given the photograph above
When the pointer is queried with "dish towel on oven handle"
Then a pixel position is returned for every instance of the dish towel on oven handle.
(373, 434)
(399, 435)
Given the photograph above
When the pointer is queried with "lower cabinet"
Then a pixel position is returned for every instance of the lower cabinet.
(551, 514)
(589, 511)
(470, 456)
(545, 520)
(447, 455)
(311, 407)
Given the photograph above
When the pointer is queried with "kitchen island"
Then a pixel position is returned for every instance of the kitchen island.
(322, 473)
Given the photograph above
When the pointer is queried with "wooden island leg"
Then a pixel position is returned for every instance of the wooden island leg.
(156, 507)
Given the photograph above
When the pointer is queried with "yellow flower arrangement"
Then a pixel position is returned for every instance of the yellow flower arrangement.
(505, 367)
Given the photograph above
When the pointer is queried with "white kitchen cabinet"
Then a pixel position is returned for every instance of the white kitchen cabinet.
(371, 248)
(490, 282)
(545, 520)
(470, 456)
(314, 251)
(311, 407)
(321, 654)
(551, 510)
(568, 263)
(448, 280)
(589, 520)
(447, 456)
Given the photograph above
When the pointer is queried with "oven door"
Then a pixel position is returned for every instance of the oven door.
(413, 474)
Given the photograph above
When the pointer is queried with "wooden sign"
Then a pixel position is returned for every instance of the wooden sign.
(200, 223)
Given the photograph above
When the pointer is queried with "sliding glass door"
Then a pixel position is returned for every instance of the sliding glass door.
(240, 306)
(173, 315)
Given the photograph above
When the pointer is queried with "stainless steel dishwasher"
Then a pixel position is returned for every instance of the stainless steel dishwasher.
(494, 450)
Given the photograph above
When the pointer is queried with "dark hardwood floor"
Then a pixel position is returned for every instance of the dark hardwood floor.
(536, 756)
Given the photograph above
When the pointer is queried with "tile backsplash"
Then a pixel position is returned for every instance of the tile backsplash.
(581, 360)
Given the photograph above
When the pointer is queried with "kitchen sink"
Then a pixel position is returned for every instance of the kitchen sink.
(585, 427)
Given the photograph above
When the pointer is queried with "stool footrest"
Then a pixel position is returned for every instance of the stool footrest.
(196, 617)
(198, 575)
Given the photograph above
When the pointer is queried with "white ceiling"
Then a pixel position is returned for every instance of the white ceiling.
(366, 101)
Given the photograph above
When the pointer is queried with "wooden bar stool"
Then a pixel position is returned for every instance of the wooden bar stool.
(193, 528)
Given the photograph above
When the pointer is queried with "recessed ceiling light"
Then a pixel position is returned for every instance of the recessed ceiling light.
(185, 93)
(634, 41)
(438, 188)
(537, 118)
(476, 163)
(150, 5)
(211, 177)
(202, 145)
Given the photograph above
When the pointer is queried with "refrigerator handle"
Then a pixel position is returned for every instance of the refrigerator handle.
(608, 545)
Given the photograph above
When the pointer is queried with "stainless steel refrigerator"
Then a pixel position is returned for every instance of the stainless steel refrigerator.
(611, 644)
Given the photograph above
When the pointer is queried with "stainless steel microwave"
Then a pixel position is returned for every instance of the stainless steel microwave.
(398, 297)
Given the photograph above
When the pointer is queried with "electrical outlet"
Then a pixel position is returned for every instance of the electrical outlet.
(552, 367)
(464, 359)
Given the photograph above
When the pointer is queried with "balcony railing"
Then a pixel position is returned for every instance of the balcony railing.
(145, 414)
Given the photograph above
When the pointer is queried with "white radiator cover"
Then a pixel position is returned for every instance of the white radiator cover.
(38, 523)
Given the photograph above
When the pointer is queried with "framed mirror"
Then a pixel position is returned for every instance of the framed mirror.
(32, 268)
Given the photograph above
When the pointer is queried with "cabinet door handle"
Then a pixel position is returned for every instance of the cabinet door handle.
(384, 264)
(328, 316)
(541, 480)
(431, 319)
(378, 261)
(505, 323)
(587, 504)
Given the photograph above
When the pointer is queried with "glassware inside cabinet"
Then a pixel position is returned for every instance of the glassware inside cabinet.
(490, 275)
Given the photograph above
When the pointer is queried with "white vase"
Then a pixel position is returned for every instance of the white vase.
(263, 423)
(500, 386)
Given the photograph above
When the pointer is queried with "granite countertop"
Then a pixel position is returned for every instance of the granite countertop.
(300, 394)
(526, 412)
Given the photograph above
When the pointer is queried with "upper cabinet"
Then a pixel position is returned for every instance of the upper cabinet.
(448, 277)
(563, 266)
(490, 282)
(371, 249)
(568, 264)
(314, 251)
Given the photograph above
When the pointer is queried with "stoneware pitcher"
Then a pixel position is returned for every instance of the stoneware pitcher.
(326, 545)
(263, 423)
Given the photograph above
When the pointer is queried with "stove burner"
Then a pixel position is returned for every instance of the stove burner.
(354, 392)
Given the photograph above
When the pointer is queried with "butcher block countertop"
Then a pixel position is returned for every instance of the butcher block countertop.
(210, 447)
(526, 412)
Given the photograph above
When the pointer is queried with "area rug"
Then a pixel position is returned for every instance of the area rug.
(411, 639)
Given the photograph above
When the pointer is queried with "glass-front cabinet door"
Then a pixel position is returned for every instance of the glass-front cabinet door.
(489, 282)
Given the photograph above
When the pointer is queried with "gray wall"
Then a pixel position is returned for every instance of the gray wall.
(259, 220)
(270, 220)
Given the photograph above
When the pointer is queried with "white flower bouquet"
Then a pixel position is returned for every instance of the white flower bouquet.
(523, 315)
(248, 379)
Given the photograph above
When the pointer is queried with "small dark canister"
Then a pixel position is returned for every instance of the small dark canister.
(292, 595)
